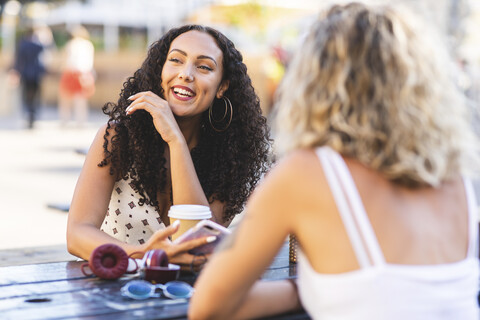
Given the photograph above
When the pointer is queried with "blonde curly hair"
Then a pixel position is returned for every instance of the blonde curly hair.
(368, 84)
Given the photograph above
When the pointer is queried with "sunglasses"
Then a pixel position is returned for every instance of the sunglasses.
(141, 289)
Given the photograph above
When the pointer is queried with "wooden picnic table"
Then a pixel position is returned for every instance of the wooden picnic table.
(59, 290)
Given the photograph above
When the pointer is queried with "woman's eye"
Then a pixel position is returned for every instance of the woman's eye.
(206, 68)
(174, 60)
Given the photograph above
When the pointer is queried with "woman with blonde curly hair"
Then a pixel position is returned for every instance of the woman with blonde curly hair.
(377, 150)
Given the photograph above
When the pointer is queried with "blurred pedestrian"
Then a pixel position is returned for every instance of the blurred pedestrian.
(274, 68)
(29, 69)
(77, 82)
(374, 182)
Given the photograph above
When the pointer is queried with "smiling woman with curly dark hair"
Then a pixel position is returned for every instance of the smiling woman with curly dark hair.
(187, 129)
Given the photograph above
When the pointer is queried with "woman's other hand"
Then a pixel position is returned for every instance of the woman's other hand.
(177, 253)
(162, 114)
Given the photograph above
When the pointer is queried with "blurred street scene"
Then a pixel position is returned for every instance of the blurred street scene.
(39, 169)
(40, 162)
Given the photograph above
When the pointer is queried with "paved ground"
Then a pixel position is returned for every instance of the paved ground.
(39, 167)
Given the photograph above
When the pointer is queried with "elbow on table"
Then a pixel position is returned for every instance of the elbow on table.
(72, 245)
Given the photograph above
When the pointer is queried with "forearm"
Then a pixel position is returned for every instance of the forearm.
(265, 298)
(186, 188)
(83, 239)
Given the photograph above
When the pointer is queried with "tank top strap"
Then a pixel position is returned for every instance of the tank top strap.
(472, 219)
(344, 208)
(357, 214)
(358, 209)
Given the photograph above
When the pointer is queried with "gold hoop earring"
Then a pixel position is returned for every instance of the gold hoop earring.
(212, 120)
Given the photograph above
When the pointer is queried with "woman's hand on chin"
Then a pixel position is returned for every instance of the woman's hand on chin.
(162, 114)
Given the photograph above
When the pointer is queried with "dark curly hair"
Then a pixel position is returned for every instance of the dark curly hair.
(228, 164)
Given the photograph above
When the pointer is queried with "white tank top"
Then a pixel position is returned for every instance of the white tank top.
(380, 290)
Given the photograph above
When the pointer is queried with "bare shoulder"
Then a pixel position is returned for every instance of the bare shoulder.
(297, 178)
(301, 156)
(104, 134)
(107, 130)
(297, 162)
(299, 166)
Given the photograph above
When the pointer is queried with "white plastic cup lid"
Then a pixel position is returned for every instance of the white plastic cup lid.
(189, 212)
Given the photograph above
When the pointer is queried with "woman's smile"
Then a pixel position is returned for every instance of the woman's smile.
(183, 93)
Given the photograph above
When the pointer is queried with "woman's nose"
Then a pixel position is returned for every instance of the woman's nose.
(186, 74)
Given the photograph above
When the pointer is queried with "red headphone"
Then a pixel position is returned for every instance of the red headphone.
(156, 258)
(108, 261)
(157, 269)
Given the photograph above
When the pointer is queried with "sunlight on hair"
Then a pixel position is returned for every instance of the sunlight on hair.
(377, 85)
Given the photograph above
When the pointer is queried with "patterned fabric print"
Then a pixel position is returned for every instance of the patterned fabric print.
(126, 220)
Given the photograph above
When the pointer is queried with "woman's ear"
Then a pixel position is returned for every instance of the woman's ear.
(222, 88)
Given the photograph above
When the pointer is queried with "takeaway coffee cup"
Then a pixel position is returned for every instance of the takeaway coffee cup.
(189, 215)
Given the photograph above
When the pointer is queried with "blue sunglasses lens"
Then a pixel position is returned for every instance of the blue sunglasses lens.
(178, 290)
(139, 289)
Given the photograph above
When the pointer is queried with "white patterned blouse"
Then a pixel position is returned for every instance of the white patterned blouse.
(126, 220)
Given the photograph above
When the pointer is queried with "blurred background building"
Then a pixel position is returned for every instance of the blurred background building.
(264, 30)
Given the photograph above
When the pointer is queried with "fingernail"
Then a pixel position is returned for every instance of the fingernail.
(130, 98)
(176, 223)
(211, 239)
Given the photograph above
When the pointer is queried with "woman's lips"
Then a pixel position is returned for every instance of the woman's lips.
(182, 93)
